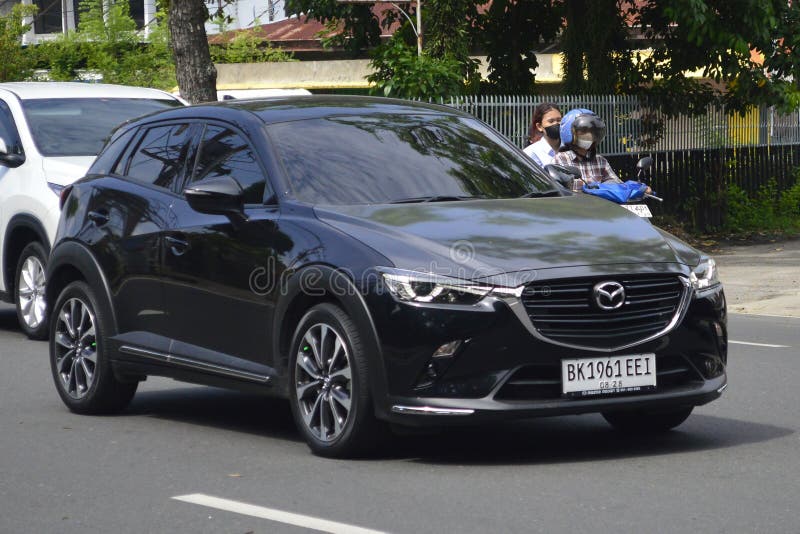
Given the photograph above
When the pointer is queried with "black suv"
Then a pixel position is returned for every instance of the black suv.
(373, 261)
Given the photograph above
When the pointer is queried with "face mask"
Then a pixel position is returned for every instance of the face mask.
(553, 131)
(585, 142)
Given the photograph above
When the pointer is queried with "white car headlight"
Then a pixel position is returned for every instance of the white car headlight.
(423, 288)
(704, 275)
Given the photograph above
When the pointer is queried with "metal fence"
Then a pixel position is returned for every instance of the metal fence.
(633, 128)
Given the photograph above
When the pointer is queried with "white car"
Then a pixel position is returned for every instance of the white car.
(50, 134)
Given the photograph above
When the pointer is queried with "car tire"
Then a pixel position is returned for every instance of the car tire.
(329, 387)
(79, 354)
(29, 294)
(648, 421)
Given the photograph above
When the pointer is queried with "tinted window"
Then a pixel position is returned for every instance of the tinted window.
(385, 158)
(80, 126)
(108, 158)
(161, 155)
(8, 130)
(225, 152)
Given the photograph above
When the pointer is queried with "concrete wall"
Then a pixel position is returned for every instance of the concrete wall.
(334, 74)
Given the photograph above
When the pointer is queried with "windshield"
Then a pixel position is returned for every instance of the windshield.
(80, 126)
(391, 158)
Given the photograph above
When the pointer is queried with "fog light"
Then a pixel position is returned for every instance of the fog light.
(712, 366)
(447, 350)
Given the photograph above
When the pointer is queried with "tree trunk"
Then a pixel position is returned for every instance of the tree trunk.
(197, 77)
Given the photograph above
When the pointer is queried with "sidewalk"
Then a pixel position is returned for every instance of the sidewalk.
(761, 279)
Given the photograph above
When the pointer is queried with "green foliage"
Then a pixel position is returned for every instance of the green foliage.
(64, 56)
(248, 46)
(510, 31)
(401, 73)
(16, 64)
(597, 57)
(108, 44)
(766, 210)
(715, 37)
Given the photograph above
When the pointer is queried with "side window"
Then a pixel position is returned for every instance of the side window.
(225, 152)
(8, 130)
(108, 158)
(160, 157)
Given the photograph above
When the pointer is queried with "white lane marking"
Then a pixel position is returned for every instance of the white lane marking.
(280, 516)
(759, 344)
(763, 315)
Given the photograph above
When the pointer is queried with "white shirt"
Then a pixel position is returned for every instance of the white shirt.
(541, 152)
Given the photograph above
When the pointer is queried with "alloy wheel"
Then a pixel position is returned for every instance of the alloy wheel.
(76, 348)
(323, 381)
(30, 292)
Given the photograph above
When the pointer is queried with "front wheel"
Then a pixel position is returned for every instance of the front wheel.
(329, 385)
(648, 421)
(30, 303)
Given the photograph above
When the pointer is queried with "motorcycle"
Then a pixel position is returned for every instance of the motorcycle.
(629, 194)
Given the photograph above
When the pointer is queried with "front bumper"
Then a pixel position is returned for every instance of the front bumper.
(421, 411)
(503, 371)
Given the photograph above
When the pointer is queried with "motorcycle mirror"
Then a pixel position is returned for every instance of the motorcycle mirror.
(563, 174)
(644, 163)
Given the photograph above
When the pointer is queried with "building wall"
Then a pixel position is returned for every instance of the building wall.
(244, 14)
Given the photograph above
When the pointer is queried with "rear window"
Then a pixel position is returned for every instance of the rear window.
(80, 126)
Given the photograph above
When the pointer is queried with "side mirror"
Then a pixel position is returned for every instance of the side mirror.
(644, 163)
(217, 196)
(9, 160)
(563, 174)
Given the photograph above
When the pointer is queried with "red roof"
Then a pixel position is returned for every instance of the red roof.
(298, 34)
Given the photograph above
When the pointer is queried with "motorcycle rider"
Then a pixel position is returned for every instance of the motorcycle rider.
(581, 132)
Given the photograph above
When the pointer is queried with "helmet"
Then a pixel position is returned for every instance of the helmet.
(581, 127)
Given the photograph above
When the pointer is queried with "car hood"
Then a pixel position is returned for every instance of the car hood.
(484, 238)
(64, 170)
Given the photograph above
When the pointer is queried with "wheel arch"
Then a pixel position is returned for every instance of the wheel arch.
(318, 284)
(71, 261)
(22, 229)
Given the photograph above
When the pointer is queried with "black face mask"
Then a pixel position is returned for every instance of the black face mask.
(553, 131)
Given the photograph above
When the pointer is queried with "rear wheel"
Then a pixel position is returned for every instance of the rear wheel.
(78, 355)
(648, 421)
(329, 385)
(30, 303)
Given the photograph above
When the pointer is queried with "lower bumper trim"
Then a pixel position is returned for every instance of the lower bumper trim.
(430, 410)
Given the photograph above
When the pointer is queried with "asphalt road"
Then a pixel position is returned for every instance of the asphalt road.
(732, 467)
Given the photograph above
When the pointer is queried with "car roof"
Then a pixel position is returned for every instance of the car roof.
(42, 90)
(298, 107)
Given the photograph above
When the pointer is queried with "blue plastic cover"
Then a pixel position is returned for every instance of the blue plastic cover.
(619, 193)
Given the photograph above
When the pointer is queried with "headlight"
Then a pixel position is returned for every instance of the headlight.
(704, 275)
(425, 288)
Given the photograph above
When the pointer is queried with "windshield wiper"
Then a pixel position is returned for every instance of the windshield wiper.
(435, 198)
(540, 194)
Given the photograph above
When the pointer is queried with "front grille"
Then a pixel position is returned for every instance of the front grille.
(564, 310)
(543, 381)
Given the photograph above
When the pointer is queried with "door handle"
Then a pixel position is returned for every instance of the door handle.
(177, 246)
(99, 218)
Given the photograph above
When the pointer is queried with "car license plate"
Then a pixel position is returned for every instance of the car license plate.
(611, 374)
(642, 210)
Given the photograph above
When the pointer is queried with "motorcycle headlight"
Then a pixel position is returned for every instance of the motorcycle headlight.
(422, 288)
(704, 275)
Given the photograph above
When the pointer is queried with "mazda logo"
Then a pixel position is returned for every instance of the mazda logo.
(609, 295)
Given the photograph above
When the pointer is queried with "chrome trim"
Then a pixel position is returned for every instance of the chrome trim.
(519, 310)
(707, 291)
(723, 388)
(180, 361)
(430, 410)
